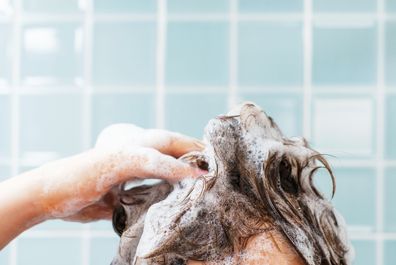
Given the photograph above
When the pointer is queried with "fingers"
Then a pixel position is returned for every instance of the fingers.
(172, 143)
(91, 213)
(146, 163)
(118, 136)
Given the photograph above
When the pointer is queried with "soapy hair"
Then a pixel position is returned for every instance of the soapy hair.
(285, 194)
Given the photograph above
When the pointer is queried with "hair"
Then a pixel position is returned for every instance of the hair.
(244, 194)
(285, 195)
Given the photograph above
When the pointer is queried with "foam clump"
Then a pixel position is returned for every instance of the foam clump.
(256, 205)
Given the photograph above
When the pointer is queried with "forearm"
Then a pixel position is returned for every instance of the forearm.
(41, 194)
(19, 209)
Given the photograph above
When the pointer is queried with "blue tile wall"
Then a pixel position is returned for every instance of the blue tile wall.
(255, 6)
(4, 255)
(50, 123)
(364, 252)
(107, 109)
(53, 225)
(5, 53)
(390, 127)
(390, 197)
(198, 6)
(362, 181)
(49, 251)
(58, 6)
(197, 54)
(265, 56)
(103, 250)
(390, 51)
(391, 5)
(5, 127)
(390, 253)
(51, 54)
(189, 113)
(102, 225)
(332, 131)
(5, 172)
(345, 6)
(344, 56)
(286, 110)
(57, 107)
(125, 6)
(124, 53)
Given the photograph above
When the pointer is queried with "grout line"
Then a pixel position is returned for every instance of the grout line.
(380, 130)
(15, 107)
(160, 64)
(325, 19)
(67, 233)
(307, 79)
(355, 18)
(233, 54)
(86, 112)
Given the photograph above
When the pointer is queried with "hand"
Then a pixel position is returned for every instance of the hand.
(122, 152)
(79, 187)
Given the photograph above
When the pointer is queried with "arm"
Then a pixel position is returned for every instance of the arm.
(79, 187)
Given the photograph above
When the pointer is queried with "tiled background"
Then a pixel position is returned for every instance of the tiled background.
(324, 69)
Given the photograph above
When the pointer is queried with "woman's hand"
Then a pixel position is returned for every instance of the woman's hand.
(79, 187)
(122, 152)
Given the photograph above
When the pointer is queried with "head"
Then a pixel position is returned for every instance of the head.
(258, 180)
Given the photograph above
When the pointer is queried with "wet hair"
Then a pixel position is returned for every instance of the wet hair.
(258, 181)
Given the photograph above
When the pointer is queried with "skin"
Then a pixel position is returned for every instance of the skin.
(79, 188)
(265, 248)
(68, 188)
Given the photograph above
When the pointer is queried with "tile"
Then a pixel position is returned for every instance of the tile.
(265, 56)
(357, 208)
(197, 54)
(390, 197)
(103, 250)
(6, 7)
(254, 6)
(103, 225)
(5, 53)
(390, 127)
(390, 50)
(125, 6)
(49, 251)
(50, 126)
(390, 253)
(345, 6)
(189, 113)
(5, 173)
(286, 110)
(391, 5)
(4, 255)
(124, 53)
(197, 6)
(5, 127)
(52, 54)
(58, 225)
(344, 56)
(53, 6)
(364, 252)
(344, 127)
(108, 109)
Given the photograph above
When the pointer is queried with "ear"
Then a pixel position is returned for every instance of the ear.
(119, 220)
